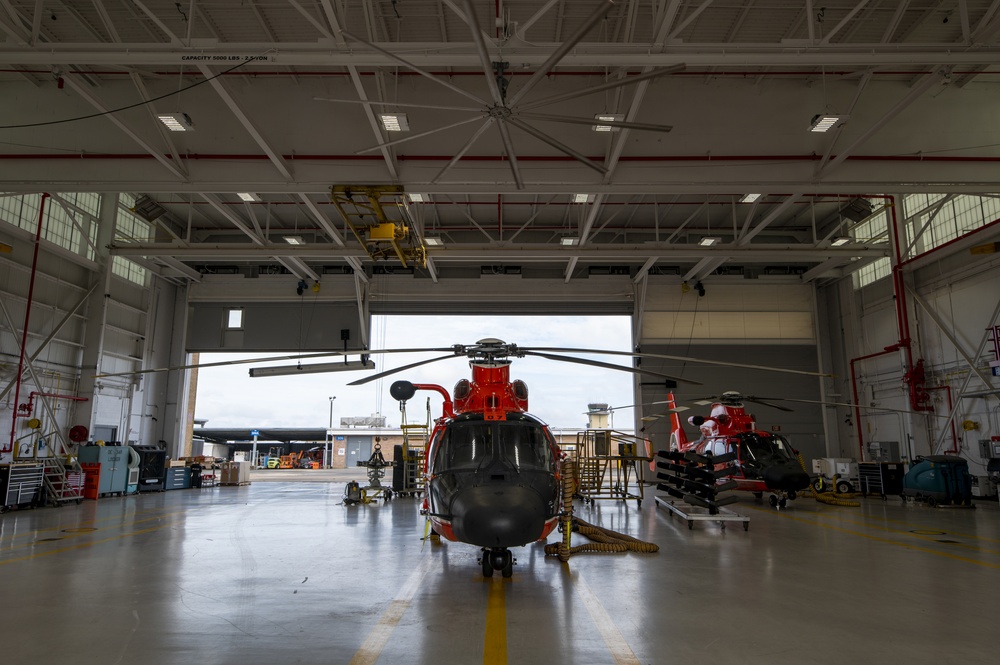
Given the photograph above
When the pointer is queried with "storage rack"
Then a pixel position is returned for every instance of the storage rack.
(20, 485)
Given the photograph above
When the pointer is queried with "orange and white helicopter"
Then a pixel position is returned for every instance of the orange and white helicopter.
(766, 462)
(492, 470)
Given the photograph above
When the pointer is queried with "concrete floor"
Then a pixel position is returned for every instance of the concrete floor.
(281, 572)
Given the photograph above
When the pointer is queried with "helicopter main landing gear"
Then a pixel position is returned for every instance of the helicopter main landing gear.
(780, 499)
(497, 558)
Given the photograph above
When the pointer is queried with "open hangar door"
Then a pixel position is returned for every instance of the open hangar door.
(772, 325)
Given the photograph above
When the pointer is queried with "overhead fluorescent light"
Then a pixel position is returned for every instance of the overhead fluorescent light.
(825, 122)
(315, 368)
(395, 122)
(293, 240)
(708, 241)
(607, 117)
(248, 196)
(416, 198)
(433, 242)
(750, 198)
(842, 240)
(582, 198)
(569, 241)
(176, 122)
(148, 209)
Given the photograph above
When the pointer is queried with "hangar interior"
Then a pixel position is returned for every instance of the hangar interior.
(171, 172)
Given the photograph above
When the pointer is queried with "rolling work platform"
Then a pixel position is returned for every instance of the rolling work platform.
(408, 474)
(693, 514)
(695, 482)
(610, 465)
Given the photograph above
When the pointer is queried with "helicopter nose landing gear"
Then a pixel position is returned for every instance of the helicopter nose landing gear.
(497, 558)
(778, 501)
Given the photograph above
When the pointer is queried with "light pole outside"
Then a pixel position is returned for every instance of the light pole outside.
(328, 462)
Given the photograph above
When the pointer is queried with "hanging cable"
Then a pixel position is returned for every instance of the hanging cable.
(130, 106)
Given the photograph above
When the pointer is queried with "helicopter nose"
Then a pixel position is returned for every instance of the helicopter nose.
(491, 516)
(788, 478)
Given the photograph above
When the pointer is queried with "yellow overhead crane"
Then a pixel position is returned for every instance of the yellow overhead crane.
(364, 209)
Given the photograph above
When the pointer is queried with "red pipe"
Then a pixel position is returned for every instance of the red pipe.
(24, 333)
(524, 72)
(498, 158)
(854, 392)
(30, 406)
(448, 408)
(995, 222)
(954, 432)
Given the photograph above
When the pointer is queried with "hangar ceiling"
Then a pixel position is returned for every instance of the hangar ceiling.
(502, 149)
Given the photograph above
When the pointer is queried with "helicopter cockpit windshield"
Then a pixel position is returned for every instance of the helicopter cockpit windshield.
(765, 450)
(473, 444)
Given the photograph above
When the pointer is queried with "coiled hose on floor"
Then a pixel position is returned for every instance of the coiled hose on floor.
(826, 498)
(607, 540)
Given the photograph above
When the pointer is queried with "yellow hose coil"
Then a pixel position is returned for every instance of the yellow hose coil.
(826, 498)
(607, 540)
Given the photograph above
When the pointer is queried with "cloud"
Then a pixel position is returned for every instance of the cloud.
(558, 392)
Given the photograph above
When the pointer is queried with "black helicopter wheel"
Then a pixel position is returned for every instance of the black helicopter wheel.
(773, 500)
(487, 566)
(508, 569)
(782, 503)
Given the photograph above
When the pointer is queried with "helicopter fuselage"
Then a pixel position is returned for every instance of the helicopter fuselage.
(491, 469)
(766, 461)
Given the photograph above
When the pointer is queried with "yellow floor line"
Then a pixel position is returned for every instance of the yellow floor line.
(37, 555)
(71, 534)
(958, 534)
(495, 641)
(923, 536)
(879, 539)
(93, 521)
(372, 647)
(613, 638)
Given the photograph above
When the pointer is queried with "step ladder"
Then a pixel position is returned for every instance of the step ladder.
(63, 482)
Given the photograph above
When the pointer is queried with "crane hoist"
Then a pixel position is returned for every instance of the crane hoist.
(365, 208)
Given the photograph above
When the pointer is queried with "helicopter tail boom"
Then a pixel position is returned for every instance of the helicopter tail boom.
(678, 440)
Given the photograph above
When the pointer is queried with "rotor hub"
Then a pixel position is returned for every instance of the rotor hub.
(498, 111)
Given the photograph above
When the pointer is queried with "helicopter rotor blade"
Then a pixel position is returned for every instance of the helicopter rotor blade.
(389, 372)
(676, 409)
(732, 399)
(757, 400)
(598, 363)
(681, 358)
(863, 406)
(249, 361)
(629, 406)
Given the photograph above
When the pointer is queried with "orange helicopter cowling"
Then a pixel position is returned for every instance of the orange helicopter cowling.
(766, 462)
(491, 468)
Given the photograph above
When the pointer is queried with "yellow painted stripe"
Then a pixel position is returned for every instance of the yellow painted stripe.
(85, 533)
(922, 536)
(949, 532)
(35, 532)
(372, 647)
(613, 638)
(878, 539)
(495, 642)
(60, 550)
